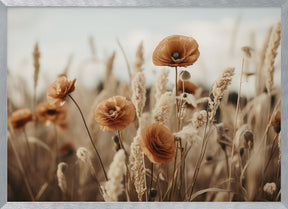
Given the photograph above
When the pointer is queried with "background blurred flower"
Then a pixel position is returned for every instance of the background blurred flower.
(176, 50)
(114, 114)
(189, 87)
(19, 118)
(157, 143)
(48, 114)
(59, 89)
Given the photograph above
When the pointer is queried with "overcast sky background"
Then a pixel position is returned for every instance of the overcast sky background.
(64, 31)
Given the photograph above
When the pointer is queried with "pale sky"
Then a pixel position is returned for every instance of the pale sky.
(64, 31)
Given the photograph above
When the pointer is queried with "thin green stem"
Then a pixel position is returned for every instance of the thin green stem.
(90, 137)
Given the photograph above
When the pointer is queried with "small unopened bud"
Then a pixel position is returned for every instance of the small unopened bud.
(249, 139)
(184, 75)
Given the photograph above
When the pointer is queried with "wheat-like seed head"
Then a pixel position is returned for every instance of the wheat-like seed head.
(138, 92)
(271, 54)
(139, 59)
(62, 183)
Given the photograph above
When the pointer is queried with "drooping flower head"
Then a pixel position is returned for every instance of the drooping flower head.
(114, 114)
(59, 89)
(20, 118)
(157, 143)
(48, 114)
(176, 51)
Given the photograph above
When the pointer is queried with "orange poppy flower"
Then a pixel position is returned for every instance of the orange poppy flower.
(176, 51)
(48, 114)
(114, 114)
(157, 143)
(19, 118)
(59, 89)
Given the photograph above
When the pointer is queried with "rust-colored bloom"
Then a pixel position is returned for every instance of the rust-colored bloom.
(276, 122)
(114, 114)
(59, 89)
(176, 51)
(19, 118)
(66, 150)
(48, 114)
(157, 143)
(189, 87)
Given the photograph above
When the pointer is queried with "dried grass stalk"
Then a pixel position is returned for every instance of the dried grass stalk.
(36, 57)
(114, 186)
(138, 92)
(137, 167)
(139, 59)
(62, 183)
(163, 108)
(108, 71)
(219, 87)
(161, 84)
(271, 54)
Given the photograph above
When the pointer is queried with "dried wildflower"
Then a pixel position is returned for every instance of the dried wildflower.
(219, 87)
(270, 188)
(138, 92)
(247, 51)
(163, 108)
(137, 167)
(188, 100)
(189, 87)
(19, 118)
(276, 122)
(62, 183)
(176, 50)
(271, 54)
(199, 119)
(184, 75)
(157, 143)
(59, 89)
(52, 115)
(114, 114)
(114, 187)
(188, 133)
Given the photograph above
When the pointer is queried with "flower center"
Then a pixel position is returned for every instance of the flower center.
(51, 112)
(176, 55)
(111, 111)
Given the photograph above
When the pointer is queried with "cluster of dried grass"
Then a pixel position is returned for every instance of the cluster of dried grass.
(156, 145)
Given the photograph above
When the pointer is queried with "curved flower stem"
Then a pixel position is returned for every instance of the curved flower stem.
(28, 148)
(176, 87)
(90, 137)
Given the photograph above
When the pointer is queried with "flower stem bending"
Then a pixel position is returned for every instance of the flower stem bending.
(90, 137)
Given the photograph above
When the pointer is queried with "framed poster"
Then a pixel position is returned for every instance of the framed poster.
(143, 104)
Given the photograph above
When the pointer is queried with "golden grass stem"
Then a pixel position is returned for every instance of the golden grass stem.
(126, 59)
(90, 137)
(26, 181)
(151, 181)
(29, 148)
(235, 127)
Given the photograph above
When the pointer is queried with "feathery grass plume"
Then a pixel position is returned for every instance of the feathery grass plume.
(139, 59)
(108, 71)
(62, 183)
(220, 85)
(161, 83)
(199, 119)
(36, 56)
(152, 97)
(138, 92)
(270, 188)
(271, 54)
(259, 84)
(114, 187)
(188, 133)
(137, 167)
(163, 108)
